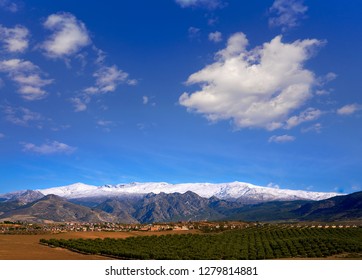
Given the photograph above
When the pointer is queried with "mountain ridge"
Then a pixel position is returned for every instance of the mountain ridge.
(228, 191)
(188, 206)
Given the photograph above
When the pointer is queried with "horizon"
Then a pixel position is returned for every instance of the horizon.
(266, 92)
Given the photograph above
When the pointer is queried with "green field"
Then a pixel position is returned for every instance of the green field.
(267, 242)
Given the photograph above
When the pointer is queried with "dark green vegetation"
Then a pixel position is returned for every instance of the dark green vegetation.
(266, 242)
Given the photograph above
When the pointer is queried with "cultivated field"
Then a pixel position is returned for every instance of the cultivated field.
(27, 247)
(254, 243)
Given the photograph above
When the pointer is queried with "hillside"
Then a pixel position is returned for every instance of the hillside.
(52, 208)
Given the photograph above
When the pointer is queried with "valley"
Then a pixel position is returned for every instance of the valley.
(196, 240)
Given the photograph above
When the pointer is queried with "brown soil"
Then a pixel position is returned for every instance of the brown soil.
(27, 247)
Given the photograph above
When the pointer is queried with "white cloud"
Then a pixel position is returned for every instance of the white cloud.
(281, 138)
(48, 148)
(69, 35)
(256, 88)
(145, 99)
(132, 82)
(9, 6)
(17, 65)
(315, 127)
(349, 109)
(215, 36)
(104, 123)
(322, 92)
(272, 185)
(21, 116)
(14, 39)
(329, 77)
(107, 80)
(287, 13)
(31, 80)
(26, 76)
(210, 4)
(310, 114)
(79, 104)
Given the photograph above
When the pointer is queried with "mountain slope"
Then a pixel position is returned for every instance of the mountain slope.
(22, 196)
(339, 208)
(52, 208)
(333, 209)
(122, 208)
(174, 207)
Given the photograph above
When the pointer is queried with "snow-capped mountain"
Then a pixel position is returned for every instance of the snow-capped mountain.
(228, 191)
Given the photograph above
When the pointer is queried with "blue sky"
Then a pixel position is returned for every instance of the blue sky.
(266, 92)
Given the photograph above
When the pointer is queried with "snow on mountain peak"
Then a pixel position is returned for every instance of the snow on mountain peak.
(232, 190)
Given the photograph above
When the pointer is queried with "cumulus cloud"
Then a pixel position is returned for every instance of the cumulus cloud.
(281, 138)
(21, 116)
(145, 99)
(48, 148)
(349, 109)
(310, 114)
(215, 36)
(9, 6)
(256, 88)
(14, 39)
(287, 13)
(209, 4)
(27, 76)
(68, 37)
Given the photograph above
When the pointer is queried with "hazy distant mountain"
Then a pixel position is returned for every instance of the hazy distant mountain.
(244, 192)
(52, 208)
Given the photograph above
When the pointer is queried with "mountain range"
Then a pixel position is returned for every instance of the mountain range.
(134, 203)
(229, 191)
